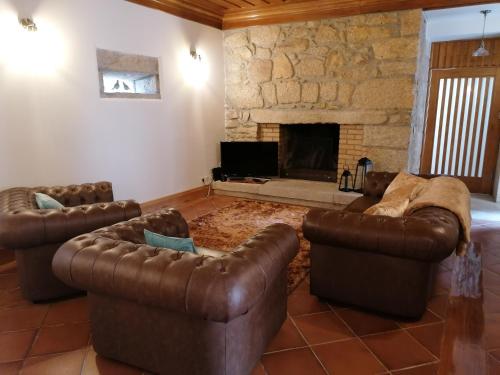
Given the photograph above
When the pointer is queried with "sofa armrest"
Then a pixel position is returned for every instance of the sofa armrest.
(27, 228)
(431, 234)
(218, 289)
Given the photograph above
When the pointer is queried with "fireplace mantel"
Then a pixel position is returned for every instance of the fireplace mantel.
(311, 116)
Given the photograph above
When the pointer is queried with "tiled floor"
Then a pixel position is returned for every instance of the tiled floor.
(459, 334)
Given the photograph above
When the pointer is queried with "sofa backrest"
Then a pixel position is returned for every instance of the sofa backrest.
(377, 182)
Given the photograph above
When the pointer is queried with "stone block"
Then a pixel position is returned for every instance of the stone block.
(360, 72)
(385, 159)
(269, 94)
(260, 70)
(234, 74)
(396, 48)
(326, 34)
(393, 68)
(243, 52)
(335, 60)
(236, 40)
(362, 34)
(310, 67)
(282, 67)
(244, 96)
(310, 92)
(387, 136)
(288, 92)
(345, 92)
(264, 36)
(378, 19)
(318, 51)
(299, 32)
(232, 123)
(293, 46)
(411, 22)
(328, 91)
(262, 53)
(384, 94)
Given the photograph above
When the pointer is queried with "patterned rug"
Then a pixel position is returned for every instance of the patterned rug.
(228, 227)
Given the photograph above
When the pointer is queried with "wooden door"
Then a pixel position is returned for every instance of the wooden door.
(462, 132)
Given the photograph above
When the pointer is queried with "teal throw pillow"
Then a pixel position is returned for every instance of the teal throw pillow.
(174, 243)
(46, 202)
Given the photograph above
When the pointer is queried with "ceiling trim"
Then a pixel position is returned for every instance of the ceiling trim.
(209, 13)
(293, 12)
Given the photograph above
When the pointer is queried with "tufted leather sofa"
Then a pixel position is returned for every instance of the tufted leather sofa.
(36, 234)
(179, 313)
(378, 262)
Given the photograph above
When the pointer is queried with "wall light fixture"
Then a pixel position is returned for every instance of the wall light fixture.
(195, 55)
(28, 24)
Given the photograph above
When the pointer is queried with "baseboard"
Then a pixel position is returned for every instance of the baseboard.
(176, 199)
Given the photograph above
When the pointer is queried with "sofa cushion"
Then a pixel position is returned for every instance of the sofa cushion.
(46, 202)
(174, 243)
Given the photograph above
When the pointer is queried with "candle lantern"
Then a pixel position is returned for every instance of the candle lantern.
(364, 166)
(346, 180)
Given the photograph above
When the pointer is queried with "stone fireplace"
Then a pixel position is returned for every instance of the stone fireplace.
(358, 72)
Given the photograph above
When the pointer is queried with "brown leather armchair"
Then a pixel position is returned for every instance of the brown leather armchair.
(180, 313)
(36, 234)
(378, 262)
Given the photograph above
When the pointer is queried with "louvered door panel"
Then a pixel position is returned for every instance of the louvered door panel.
(462, 126)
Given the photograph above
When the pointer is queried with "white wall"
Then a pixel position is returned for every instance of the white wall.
(462, 23)
(55, 129)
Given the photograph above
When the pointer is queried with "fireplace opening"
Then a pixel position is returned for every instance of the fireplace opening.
(309, 151)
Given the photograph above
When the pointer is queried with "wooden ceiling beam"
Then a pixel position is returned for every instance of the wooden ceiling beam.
(230, 14)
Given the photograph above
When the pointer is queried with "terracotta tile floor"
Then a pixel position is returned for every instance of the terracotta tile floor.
(459, 334)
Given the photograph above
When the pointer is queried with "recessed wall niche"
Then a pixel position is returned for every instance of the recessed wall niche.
(123, 75)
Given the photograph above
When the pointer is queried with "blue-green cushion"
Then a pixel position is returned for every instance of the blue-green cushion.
(174, 243)
(46, 202)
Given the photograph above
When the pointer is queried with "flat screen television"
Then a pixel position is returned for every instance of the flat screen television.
(249, 159)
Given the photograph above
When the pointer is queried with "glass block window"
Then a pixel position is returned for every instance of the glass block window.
(128, 76)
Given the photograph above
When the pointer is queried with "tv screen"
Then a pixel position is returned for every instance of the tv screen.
(249, 159)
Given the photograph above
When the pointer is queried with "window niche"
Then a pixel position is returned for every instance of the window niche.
(123, 75)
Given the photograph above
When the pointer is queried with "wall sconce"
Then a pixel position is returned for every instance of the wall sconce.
(194, 68)
(195, 55)
(28, 24)
(28, 47)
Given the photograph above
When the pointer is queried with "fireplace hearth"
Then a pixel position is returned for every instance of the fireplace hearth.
(309, 151)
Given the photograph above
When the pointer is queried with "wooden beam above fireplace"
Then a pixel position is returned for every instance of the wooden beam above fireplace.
(230, 14)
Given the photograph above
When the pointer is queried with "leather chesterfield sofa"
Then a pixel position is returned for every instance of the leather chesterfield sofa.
(376, 262)
(180, 313)
(36, 234)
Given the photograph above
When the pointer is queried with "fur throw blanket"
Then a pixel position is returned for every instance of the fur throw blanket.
(408, 193)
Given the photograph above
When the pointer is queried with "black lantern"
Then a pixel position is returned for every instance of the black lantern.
(346, 180)
(364, 166)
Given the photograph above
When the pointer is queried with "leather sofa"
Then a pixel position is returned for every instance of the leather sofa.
(376, 262)
(172, 312)
(36, 234)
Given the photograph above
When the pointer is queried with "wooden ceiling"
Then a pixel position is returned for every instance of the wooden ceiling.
(230, 14)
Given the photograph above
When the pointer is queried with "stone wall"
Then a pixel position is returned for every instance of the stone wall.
(356, 71)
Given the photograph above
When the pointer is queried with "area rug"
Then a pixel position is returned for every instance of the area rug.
(226, 228)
